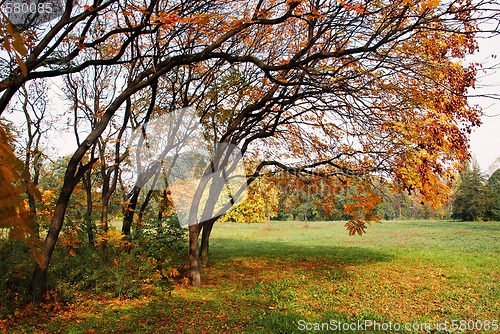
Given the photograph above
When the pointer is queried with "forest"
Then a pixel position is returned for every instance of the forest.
(182, 115)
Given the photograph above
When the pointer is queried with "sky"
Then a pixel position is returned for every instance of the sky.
(485, 140)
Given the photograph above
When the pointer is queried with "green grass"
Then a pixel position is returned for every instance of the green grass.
(267, 280)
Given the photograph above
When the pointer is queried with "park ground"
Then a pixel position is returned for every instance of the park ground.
(289, 276)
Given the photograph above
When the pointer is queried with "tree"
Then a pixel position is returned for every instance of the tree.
(470, 201)
(494, 191)
(34, 104)
(14, 181)
(353, 90)
(260, 205)
(89, 93)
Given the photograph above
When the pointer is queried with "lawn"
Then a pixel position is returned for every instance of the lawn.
(289, 277)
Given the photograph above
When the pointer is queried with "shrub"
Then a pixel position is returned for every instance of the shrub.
(16, 267)
(150, 259)
(124, 268)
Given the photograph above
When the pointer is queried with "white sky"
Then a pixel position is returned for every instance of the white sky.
(485, 141)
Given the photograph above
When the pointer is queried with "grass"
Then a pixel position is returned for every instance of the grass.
(264, 280)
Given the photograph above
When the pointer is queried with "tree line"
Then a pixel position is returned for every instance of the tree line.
(477, 197)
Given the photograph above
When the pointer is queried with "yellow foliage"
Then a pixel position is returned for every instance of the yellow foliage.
(112, 238)
(173, 272)
(260, 204)
(14, 180)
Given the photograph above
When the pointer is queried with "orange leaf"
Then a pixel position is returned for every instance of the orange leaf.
(17, 42)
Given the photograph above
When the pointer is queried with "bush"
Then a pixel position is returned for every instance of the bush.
(150, 260)
(124, 268)
(16, 267)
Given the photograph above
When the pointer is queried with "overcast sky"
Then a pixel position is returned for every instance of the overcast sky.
(485, 141)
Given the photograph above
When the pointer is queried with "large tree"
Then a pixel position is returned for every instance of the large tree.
(494, 190)
(351, 89)
(471, 199)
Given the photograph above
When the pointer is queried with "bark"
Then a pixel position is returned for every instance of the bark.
(110, 182)
(104, 222)
(71, 179)
(162, 205)
(144, 205)
(128, 216)
(31, 197)
(38, 282)
(148, 198)
(205, 239)
(107, 191)
(106, 195)
(87, 183)
(104, 215)
(194, 256)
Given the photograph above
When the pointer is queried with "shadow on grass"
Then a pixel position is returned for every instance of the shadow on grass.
(251, 287)
(222, 249)
(181, 315)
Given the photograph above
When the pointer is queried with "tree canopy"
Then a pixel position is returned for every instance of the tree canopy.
(494, 189)
(471, 199)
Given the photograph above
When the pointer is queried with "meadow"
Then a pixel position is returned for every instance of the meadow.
(292, 278)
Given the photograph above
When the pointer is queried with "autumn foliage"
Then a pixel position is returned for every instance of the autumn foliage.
(14, 181)
(354, 94)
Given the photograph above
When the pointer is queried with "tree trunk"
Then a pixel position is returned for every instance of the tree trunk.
(144, 205)
(31, 197)
(104, 215)
(160, 209)
(87, 183)
(105, 196)
(128, 216)
(194, 255)
(39, 279)
(205, 238)
(104, 222)
(71, 179)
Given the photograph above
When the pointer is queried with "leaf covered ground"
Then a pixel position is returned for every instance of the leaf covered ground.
(268, 280)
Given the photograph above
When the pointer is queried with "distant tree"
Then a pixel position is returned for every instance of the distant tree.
(470, 201)
(494, 166)
(494, 188)
(259, 206)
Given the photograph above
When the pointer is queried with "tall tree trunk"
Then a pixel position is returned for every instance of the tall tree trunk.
(144, 205)
(31, 197)
(104, 222)
(39, 279)
(161, 206)
(149, 195)
(194, 255)
(104, 215)
(87, 183)
(205, 238)
(105, 196)
(71, 179)
(128, 216)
